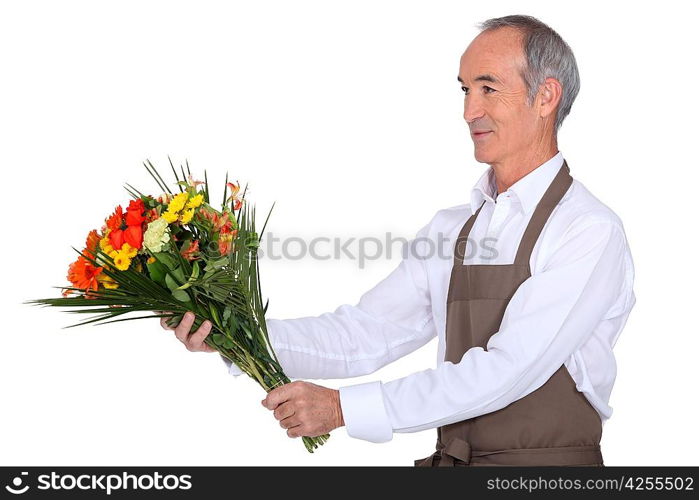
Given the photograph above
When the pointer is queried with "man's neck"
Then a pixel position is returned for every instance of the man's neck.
(511, 170)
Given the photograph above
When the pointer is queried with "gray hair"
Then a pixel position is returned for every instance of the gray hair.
(547, 55)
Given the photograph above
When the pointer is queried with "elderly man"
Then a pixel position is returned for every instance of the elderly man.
(526, 323)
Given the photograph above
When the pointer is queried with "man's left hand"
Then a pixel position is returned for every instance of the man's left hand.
(305, 409)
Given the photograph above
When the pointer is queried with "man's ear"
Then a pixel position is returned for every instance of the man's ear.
(550, 94)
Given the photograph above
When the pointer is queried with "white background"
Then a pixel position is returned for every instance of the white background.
(349, 115)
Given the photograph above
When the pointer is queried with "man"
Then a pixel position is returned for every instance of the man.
(526, 322)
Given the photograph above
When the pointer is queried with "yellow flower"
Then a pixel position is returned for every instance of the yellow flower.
(106, 248)
(195, 201)
(122, 261)
(170, 216)
(107, 282)
(129, 251)
(150, 260)
(187, 216)
(178, 202)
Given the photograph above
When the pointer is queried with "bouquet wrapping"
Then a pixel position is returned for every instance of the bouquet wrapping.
(176, 253)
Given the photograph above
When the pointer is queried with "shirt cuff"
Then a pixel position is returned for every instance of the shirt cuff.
(364, 412)
(232, 367)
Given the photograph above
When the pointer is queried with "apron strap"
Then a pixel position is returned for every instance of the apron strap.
(462, 240)
(558, 187)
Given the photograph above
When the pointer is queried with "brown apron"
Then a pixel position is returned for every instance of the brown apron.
(553, 425)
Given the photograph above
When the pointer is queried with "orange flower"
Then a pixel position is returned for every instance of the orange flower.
(82, 274)
(191, 250)
(91, 242)
(115, 220)
(235, 188)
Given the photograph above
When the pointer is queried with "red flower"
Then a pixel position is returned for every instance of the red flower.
(134, 213)
(116, 239)
(133, 236)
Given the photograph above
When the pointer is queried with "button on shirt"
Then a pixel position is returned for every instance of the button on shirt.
(570, 311)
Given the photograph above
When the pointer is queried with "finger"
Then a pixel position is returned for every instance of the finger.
(284, 411)
(196, 340)
(290, 422)
(296, 431)
(277, 396)
(182, 330)
(163, 323)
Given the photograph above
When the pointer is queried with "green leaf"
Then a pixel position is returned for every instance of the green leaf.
(214, 313)
(219, 339)
(167, 259)
(195, 271)
(181, 295)
(178, 273)
(157, 272)
(247, 330)
(171, 283)
(219, 263)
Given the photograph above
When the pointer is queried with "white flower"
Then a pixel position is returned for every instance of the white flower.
(156, 236)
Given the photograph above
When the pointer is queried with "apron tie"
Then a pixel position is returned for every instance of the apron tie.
(456, 448)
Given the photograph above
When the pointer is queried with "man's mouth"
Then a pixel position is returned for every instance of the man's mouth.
(480, 134)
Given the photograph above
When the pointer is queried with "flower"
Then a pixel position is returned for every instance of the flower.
(115, 221)
(116, 238)
(187, 216)
(192, 182)
(106, 246)
(107, 282)
(134, 213)
(182, 208)
(133, 236)
(82, 274)
(122, 261)
(195, 201)
(91, 242)
(156, 236)
(191, 250)
(178, 202)
(129, 251)
(235, 188)
(170, 216)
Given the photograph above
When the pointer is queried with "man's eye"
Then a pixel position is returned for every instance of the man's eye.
(488, 90)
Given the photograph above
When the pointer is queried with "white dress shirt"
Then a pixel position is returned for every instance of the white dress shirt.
(570, 311)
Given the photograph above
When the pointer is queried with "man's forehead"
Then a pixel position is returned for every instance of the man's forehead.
(492, 56)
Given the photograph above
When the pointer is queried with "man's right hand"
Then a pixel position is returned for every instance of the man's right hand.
(193, 341)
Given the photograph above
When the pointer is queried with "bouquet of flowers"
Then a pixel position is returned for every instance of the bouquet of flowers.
(176, 253)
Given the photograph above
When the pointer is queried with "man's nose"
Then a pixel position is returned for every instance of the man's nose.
(473, 108)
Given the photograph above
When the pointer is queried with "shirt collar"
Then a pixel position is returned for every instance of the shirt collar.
(528, 190)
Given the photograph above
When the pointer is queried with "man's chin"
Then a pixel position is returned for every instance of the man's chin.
(481, 156)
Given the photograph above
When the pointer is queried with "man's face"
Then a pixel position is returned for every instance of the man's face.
(495, 100)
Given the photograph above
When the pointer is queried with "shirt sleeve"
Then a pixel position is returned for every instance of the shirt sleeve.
(390, 320)
(549, 317)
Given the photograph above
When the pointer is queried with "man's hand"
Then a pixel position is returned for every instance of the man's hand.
(305, 409)
(193, 341)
